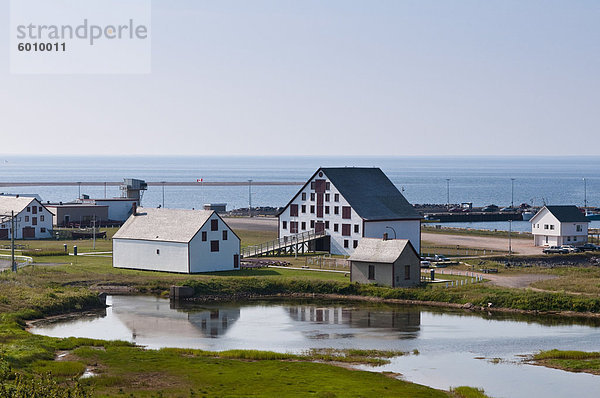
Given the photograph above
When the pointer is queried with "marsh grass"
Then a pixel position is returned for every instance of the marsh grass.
(468, 392)
(572, 361)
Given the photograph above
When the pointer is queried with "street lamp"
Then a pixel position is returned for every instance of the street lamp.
(163, 194)
(392, 230)
(512, 193)
(584, 194)
(448, 193)
(509, 237)
(250, 198)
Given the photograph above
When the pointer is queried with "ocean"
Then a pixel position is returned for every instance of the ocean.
(481, 180)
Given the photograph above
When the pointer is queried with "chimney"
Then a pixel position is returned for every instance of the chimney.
(134, 208)
(385, 236)
(17, 196)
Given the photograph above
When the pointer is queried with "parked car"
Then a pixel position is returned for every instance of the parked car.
(554, 250)
(490, 208)
(589, 247)
(440, 258)
(570, 248)
(425, 264)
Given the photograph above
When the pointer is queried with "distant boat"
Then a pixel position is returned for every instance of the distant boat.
(592, 216)
(527, 215)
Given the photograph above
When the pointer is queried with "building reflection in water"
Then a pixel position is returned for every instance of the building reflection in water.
(404, 322)
(164, 319)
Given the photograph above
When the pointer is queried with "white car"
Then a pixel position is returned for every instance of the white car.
(425, 264)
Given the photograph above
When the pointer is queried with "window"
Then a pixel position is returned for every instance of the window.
(34, 209)
(354, 244)
(336, 197)
(214, 245)
(157, 251)
(224, 234)
(574, 239)
(312, 223)
(214, 225)
(28, 209)
(26, 218)
(326, 209)
(579, 228)
(303, 195)
(346, 243)
(304, 225)
(545, 226)
(336, 227)
(42, 218)
(33, 220)
(406, 272)
(294, 227)
(551, 226)
(327, 197)
(284, 225)
(327, 186)
(204, 236)
(42, 230)
(303, 209)
(371, 272)
(346, 212)
(345, 229)
(568, 238)
(294, 210)
(336, 210)
(40, 209)
(312, 209)
(356, 228)
(312, 186)
(312, 197)
(326, 224)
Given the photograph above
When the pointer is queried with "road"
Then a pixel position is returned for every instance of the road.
(519, 246)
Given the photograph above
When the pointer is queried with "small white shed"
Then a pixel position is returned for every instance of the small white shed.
(170, 240)
(393, 263)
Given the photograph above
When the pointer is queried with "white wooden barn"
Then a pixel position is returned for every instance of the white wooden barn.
(559, 225)
(350, 203)
(393, 263)
(32, 219)
(170, 240)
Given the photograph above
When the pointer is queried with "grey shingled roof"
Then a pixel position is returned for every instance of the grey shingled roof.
(370, 193)
(12, 203)
(567, 213)
(164, 225)
(372, 250)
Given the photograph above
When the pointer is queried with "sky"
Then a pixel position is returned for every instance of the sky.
(328, 77)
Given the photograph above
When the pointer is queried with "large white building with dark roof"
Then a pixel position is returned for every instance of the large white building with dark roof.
(348, 204)
(170, 240)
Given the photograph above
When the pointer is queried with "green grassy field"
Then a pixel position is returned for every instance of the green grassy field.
(572, 361)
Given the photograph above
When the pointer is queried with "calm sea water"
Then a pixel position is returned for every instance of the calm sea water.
(553, 180)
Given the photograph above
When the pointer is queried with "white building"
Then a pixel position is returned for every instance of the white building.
(184, 241)
(32, 219)
(350, 203)
(559, 225)
(393, 263)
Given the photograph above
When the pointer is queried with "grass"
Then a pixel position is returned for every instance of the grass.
(468, 392)
(572, 361)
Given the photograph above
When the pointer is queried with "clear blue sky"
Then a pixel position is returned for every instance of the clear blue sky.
(322, 77)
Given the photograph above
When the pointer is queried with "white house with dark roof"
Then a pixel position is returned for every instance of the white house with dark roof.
(559, 225)
(170, 240)
(350, 203)
(393, 263)
(32, 219)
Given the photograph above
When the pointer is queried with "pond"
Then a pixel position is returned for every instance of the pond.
(455, 347)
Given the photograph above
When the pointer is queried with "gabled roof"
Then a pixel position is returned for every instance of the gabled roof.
(164, 225)
(375, 250)
(564, 213)
(369, 192)
(14, 203)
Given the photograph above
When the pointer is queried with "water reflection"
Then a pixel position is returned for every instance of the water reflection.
(405, 323)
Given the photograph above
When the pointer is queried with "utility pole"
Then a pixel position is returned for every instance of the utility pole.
(448, 193)
(13, 264)
(250, 198)
(512, 193)
(79, 187)
(509, 237)
(94, 233)
(163, 194)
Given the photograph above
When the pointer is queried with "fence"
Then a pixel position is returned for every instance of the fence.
(468, 279)
(285, 244)
(325, 262)
(22, 261)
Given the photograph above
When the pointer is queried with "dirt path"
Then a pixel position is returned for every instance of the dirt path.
(519, 246)
(515, 281)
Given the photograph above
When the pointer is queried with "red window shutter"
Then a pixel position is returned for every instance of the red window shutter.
(345, 229)
(293, 210)
(346, 212)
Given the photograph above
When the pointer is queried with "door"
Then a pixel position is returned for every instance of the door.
(4, 234)
(319, 227)
(28, 233)
(236, 261)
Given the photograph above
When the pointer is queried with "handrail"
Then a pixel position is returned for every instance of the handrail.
(302, 237)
